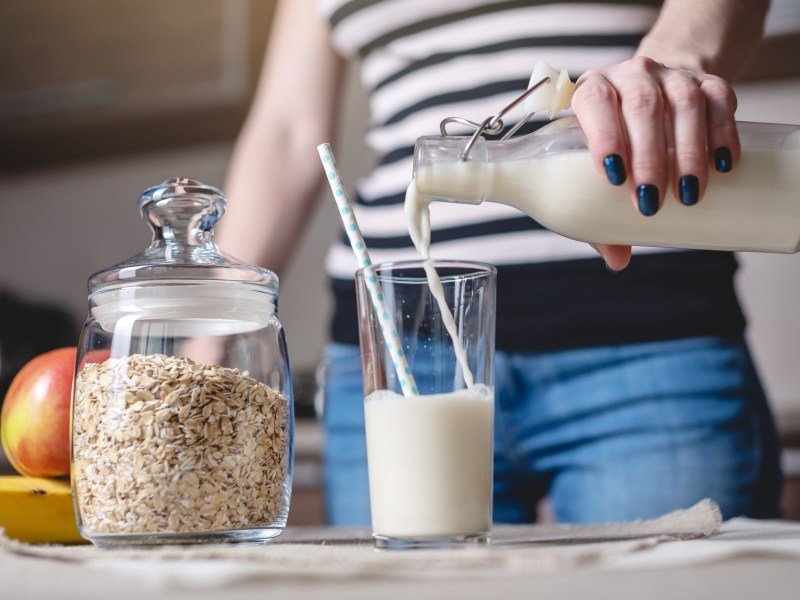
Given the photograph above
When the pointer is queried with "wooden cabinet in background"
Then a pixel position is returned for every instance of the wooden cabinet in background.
(85, 78)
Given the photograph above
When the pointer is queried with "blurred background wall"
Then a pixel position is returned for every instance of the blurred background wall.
(100, 100)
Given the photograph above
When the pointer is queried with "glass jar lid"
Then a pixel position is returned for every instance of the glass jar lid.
(182, 214)
(183, 270)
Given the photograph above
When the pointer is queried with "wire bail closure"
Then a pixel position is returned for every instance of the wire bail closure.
(492, 125)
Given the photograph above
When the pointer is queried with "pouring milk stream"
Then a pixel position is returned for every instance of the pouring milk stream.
(555, 96)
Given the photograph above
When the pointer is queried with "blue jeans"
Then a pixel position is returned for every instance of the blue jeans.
(608, 434)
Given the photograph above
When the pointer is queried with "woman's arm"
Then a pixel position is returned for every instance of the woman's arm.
(681, 76)
(274, 174)
(706, 36)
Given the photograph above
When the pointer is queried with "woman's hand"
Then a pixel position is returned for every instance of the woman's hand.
(630, 110)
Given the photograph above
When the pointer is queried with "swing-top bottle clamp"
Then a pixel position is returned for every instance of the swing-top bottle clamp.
(493, 125)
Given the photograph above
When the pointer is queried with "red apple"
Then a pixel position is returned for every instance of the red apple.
(35, 422)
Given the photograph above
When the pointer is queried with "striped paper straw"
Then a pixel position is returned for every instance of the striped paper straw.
(390, 337)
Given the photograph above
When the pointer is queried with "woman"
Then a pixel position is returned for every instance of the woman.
(618, 397)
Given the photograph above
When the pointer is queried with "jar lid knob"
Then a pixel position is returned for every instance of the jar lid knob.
(182, 208)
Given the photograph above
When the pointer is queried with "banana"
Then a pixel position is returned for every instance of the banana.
(37, 510)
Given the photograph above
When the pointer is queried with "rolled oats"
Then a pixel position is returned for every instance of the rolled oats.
(167, 445)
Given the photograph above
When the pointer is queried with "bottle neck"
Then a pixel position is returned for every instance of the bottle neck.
(462, 182)
(441, 172)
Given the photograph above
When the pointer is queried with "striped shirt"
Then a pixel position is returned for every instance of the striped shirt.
(424, 60)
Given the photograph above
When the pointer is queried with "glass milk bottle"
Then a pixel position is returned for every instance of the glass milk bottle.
(549, 175)
(182, 407)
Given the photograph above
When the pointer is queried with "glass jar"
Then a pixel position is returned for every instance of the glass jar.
(182, 425)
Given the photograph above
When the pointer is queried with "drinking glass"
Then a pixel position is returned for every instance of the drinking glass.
(429, 455)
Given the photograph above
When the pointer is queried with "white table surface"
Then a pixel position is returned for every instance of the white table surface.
(744, 561)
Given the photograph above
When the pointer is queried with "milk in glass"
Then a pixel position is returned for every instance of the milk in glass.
(430, 463)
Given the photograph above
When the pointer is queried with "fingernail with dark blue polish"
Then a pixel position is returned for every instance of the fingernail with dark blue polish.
(689, 188)
(615, 169)
(647, 195)
(723, 160)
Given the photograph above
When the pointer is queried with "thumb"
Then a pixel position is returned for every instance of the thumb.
(617, 257)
